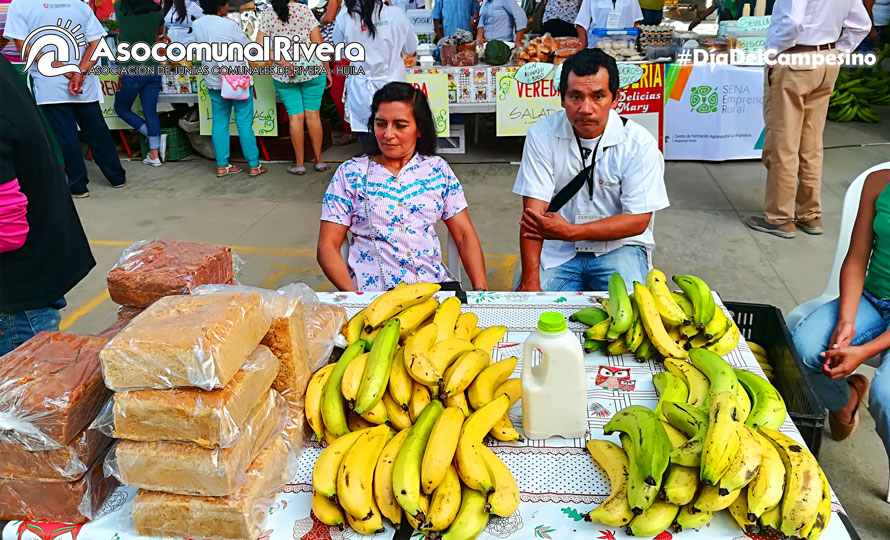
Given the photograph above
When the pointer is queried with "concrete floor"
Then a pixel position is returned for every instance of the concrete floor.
(273, 221)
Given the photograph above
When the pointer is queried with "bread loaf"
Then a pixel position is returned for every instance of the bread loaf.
(65, 464)
(208, 418)
(189, 469)
(197, 341)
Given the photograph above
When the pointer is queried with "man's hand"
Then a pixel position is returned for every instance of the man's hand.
(545, 226)
(75, 83)
(843, 361)
(530, 285)
(873, 35)
(842, 335)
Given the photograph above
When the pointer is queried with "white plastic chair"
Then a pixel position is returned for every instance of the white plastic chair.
(452, 264)
(832, 288)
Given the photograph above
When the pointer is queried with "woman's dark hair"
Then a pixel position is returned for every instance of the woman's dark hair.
(365, 9)
(179, 6)
(423, 116)
(588, 62)
(138, 7)
(211, 7)
(281, 9)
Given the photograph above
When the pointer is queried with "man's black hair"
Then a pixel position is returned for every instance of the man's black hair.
(588, 62)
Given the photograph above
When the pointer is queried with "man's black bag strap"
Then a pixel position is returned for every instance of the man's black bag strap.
(572, 188)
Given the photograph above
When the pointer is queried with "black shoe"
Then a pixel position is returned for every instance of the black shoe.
(122, 184)
(83, 195)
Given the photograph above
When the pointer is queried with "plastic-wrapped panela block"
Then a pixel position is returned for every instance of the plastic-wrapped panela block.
(60, 465)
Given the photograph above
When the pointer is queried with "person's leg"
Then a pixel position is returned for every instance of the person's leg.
(808, 200)
(129, 88)
(879, 400)
(628, 261)
(569, 276)
(811, 338)
(149, 97)
(17, 328)
(292, 98)
(222, 112)
(312, 93)
(63, 123)
(98, 137)
(244, 123)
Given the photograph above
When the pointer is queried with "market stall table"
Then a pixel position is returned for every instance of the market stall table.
(557, 479)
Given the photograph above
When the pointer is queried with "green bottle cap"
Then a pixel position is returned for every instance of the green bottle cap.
(552, 323)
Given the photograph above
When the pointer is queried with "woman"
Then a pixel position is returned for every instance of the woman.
(178, 18)
(386, 35)
(214, 27)
(606, 14)
(503, 20)
(393, 236)
(559, 17)
(304, 83)
(140, 21)
(839, 336)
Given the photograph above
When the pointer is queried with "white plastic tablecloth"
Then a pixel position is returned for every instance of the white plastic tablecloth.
(558, 481)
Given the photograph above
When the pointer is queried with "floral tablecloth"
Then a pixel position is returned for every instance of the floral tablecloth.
(558, 481)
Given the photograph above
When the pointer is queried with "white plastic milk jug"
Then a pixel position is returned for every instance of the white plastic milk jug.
(554, 384)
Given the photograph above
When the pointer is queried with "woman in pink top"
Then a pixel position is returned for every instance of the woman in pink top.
(391, 199)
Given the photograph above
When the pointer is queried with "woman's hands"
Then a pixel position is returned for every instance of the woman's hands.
(842, 335)
(842, 361)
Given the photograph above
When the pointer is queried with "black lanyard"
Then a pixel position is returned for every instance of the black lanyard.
(584, 167)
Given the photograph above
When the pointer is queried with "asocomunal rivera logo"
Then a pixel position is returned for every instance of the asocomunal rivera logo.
(61, 41)
(703, 99)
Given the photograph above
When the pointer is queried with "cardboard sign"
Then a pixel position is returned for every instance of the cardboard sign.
(520, 105)
(108, 84)
(435, 87)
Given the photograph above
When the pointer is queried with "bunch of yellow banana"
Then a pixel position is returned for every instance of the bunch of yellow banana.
(763, 360)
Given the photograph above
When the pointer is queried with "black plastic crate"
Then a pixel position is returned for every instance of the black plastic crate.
(764, 324)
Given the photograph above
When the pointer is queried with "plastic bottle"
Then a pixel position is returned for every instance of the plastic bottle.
(554, 392)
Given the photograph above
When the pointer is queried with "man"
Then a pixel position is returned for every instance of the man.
(795, 105)
(43, 249)
(615, 14)
(71, 100)
(449, 16)
(590, 182)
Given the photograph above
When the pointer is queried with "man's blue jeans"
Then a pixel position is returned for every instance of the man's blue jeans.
(811, 337)
(17, 328)
(587, 272)
(147, 87)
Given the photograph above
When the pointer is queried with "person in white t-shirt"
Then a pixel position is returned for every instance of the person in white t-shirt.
(386, 35)
(879, 12)
(68, 101)
(606, 14)
(590, 183)
(178, 18)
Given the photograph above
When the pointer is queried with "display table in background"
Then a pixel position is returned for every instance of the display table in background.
(557, 479)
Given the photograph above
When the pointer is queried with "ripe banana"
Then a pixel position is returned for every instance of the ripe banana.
(353, 329)
(481, 390)
(446, 317)
(695, 380)
(357, 423)
(440, 448)
(314, 392)
(465, 325)
(420, 398)
(653, 325)
(640, 495)
(619, 346)
(327, 511)
(646, 350)
(598, 331)
(722, 440)
(463, 371)
(417, 355)
(716, 369)
(771, 520)
(803, 485)
(717, 326)
(694, 424)
(505, 498)
(698, 292)
(406, 468)
(674, 435)
(503, 429)
(369, 337)
(615, 510)
(377, 415)
(355, 481)
(745, 464)
(680, 484)
(445, 352)
(445, 502)
(352, 378)
(388, 304)
(636, 333)
(425, 508)
(670, 388)
(368, 526)
(685, 305)
(671, 313)
(471, 517)
(766, 488)
(605, 303)
(330, 437)
(688, 518)
(652, 447)
(333, 410)
(589, 316)
(814, 529)
(400, 382)
(489, 338)
(383, 493)
(458, 400)
(470, 466)
(654, 520)
(710, 500)
(767, 406)
(727, 342)
(739, 512)
(757, 349)
(397, 417)
(676, 335)
(376, 374)
(744, 401)
(412, 318)
(620, 308)
(327, 466)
